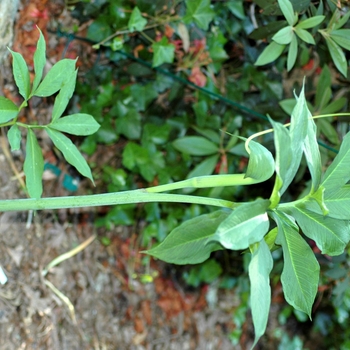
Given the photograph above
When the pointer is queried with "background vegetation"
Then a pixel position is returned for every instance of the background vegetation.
(173, 82)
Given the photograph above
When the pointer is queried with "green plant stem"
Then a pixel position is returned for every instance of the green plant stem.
(127, 197)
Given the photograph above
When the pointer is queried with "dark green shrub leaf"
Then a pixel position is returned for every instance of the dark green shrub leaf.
(292, 53)
(341, 21)
(323, 85)
(76, 124)
(21, 74)
(33, 166)
(247, 225)
(195, 146)
(136, 21)
(331, 235)
(334, 106)
(14, 136)
(236, 8)
(8, 110)
(338, 174)
(70, 152)
(39, 61)
(270, 54)
(301, 270)
(284, 36)
(327, 129)
(341, 37)
(63, 97)
(60, 73)
(199, 12)
(338, 56)
(163, 52)
(268, 30)
(188, 243)
(260, 267)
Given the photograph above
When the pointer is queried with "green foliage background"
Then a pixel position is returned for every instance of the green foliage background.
(169, 130)
(173, 85)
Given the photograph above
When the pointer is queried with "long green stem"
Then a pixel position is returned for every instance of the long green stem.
(127, 197)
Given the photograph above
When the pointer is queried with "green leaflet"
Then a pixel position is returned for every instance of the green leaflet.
(63, 97)
(297, 131)
(331, 235)
(301, 270)
(8, 110)
(338, 174)
(188, 243)
(33, 166)
(14, 136)
(260, 267)
(283, 159)
(196, 146)
(261, 165)
(76, 124)
(336, 201)
(39, 61)
(70, 152)
(312, 153)
(21, 74)
(58, 75)
(247, 225)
